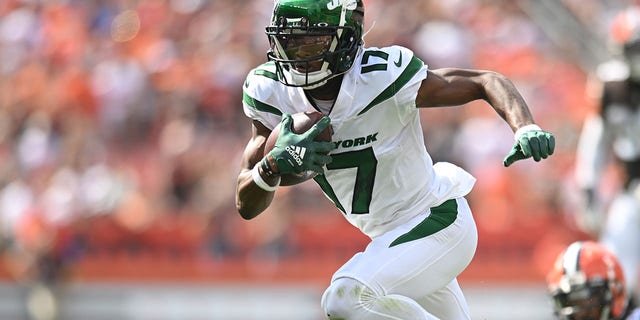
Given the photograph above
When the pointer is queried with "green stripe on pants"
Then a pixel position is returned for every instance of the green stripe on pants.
(441, 217)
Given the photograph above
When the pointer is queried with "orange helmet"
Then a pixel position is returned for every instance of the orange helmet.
(586, 282)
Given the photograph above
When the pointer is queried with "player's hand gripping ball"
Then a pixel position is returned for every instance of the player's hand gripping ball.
(300, 144)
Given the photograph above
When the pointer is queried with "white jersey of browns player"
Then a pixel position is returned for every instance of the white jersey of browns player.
(374, 178)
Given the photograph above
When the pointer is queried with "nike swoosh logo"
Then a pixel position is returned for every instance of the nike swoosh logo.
(399, 62)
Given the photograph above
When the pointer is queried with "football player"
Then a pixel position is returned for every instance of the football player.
(613, 133)
(378, 172)
(586, 282)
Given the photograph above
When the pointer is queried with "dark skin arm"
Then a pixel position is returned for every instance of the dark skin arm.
(441, 88)
(453, 87)
(251, 200)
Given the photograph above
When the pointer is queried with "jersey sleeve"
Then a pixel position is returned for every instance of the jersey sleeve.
(259, 99)
(414, 73)
(392, 73)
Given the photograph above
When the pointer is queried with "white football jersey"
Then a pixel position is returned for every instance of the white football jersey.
(381, 175)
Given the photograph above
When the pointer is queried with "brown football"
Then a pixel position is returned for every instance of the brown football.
(302, 121)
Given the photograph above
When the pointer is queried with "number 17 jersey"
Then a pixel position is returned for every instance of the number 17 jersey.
(381, 175)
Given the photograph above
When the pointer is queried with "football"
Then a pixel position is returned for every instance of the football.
(302, 121)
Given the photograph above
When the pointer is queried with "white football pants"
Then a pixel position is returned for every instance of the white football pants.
(414, 280)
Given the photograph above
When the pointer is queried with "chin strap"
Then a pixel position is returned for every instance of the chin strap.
(373, 24)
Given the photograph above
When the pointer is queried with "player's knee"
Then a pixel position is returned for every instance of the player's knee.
(346, 298)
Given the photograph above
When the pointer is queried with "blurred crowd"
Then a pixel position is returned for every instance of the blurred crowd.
(121, 124)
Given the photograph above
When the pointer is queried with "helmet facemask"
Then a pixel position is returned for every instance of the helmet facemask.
(311, 45)
(583, 302)
(586, 282)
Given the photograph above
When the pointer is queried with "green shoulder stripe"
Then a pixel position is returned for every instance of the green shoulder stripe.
(258, 105)
(412, 69)
(267, 74)
(260, 71)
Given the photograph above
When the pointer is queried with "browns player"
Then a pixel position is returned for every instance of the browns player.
(614, 134)
(586, 282)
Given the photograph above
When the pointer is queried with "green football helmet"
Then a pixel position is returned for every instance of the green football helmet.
(313, 41)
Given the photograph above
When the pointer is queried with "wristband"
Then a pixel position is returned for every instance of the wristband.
(522, 130)
(257, 178)
(266, 167)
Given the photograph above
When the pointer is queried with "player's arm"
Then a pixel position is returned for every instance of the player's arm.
(593, 148)
(596, 137)
(261, 175)
(251, 199)
(451, 87)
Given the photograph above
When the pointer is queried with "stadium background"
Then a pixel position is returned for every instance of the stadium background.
(121, 127)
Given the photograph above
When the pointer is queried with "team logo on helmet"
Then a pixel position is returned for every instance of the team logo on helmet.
(313, 41)
(349, 4)
(587, 282)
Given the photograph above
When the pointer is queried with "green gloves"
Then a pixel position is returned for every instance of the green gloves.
(531, 141)
(297, 153)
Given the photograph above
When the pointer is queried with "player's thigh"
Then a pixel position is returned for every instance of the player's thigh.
(419, 266)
